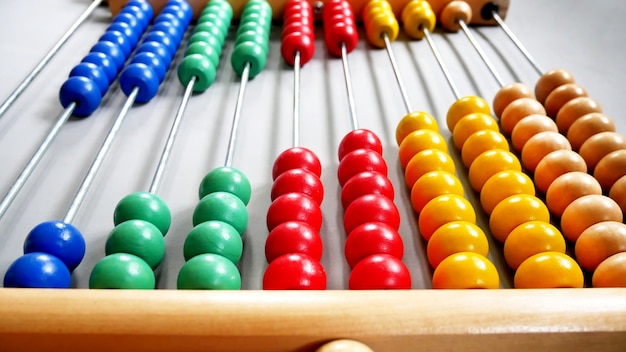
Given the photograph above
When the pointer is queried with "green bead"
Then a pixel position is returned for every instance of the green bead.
(222, 206)
(210, 52)
(214, 20)
(143, 206)
(213, 29)
(209, 272)
(214, 237)
(252, 37)
(205, 37)
(249, 52)
(256, 4)
(226, 179)
(122, 271)
(259, 18)
(137, 237)
(201, 68)
(220, 5)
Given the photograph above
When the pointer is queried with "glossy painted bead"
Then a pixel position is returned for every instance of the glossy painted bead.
(209, 272)
(503, 185)
(480, 142)
(465, 106)
(372, 238)
(414, 121)
(490, 163)
(434, 184)
(466, 270)
(555, 164)
(518, 110)
(514, 211)
(598, 242)
(359, 139)
(380, 272)
(567, 188)
(444, 209)
(58, 238)
(298, 180)
(509, 93)
(611, 272)
(122, 271)
(530, 126)
(37, 270)
(226, 179)
(143, 206)
(540, 145)
(418, 141)
(358, 161)
(83, 92)
(371, 208)
(94, 73)
(586, 211)
(215, 237)
(470, 124)
(142, 77)
(294, 207)
(293, 237)
(295, 271)
(137, 237)
(296, 158)
(365, 183)
(426, 161)
(598, 146)
(573, 110)
(549, 270)
(222, 206)
(455, 237)
(551, 80)
(417, 16)
(531, 238)
(610, 168)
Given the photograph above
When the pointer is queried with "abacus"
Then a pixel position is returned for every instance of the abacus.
(255, 319)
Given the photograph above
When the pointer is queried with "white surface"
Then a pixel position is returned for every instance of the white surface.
(582, 37)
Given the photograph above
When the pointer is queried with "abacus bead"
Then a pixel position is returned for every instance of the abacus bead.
(248, 53)
(163, 38)
(586, 211)
(610, 169)
(129, 19)
(549, 270)
(470, 124)
(416, 17)
(573, 110)
(380, 272)
(549, 81)
(294, 271)
(600, 145)
(598, 242)
(122, 271)
(540, 145)
(293, 237)
(344, 345)
(297, 42)
(560, 96)
(112, 50)
(153, 61)
(480, 142)
(296, 158)
(379, 23)
(618, 192)
(517, 110)
(358, 161)
(212, 30)
(209, 272)
(168, 28)
(298, 180)
(569, 187)
(143, 206)
(490, 163)
(434, 184)
(555, 164)
(140, 76)
(138, 13)
(125, 29)
(104, 62)
(611, 272)
(587, 126)
(37, 270)
(444, 209)
(426, 161)
(82, 91)
(59, 239)
(359, 139)
(206, 50)
(416, 120)
(294, 207)
(508, 94)
(530, 126)
(158, 49)
(205, 38)
(222, 206)
(363, 183)
(466, 270)
(453, 13)
(455, 237)
(226, 179)
(215, 237)
(531, 238)
(465, 106)
(94, 73)
(118, 38)
(339, 29)
(372, 238)
(371, 208)
(503, 185)
(137, 237)
(513, 211)
(420, 140)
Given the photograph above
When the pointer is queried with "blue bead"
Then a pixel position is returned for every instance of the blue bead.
(138, 14)
(59, 239)
(104, 62)
(163, 38)
(112, 50)
(132, 21)
(169, 29)
(84, 92)
(133, 39)
(153, 61)
(144, 5)
(118, 38)
(94, 73)
(141, 76)
(38, 270)
(173, 20)
(176, 10)
(157, 48)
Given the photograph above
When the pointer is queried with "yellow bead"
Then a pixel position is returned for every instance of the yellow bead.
(531, 238)
(456, 237)
(444, 209)
(490, 163)
(503, 185)
(426, 161)
(514, 211)
(549, 270)
(416, 120)
(480, 142)
(417, 15)
(378, 20)
(466, 270)
(471, 123)
(465, 106)
(434, 184)
(420, 140)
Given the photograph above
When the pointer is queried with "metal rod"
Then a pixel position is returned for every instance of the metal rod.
(481, 53)
(442, 64)
(346, 76)
(296, 100)
(233, 130)
(517, 42)
(396, 71)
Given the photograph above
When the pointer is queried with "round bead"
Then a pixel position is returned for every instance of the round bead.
(139, 76)
(248, 53)
(587, 126)
(199, 67)
(298, 180)
(426, 161)
(529, 126)
(122, 271)
(137, 237)
(344, 345)
(380, 22)
(490, 163)
(118, 38)
(215, 237)
(295, 271)
(529, 239)
(420, 140)
(503, 185)
(465, 106)
(206, 49)
(586, 211)
(59, 239)
(561, 95)
(296, 158)
(138, 13)
(540, 145)
(573, 110)
(444, 209)
(222, 206)
(358, 161)
(611, 272)
(610, 169)
(508, 94)
(471, 123)
(294, 207)
(480, 142)
(456, 237)
(551, 80)
(466, 270)
(618, 192)
(371, 208)
(567, 188)
(600, 241)
(297, 42)
(82, 91)
(359, 139)
(365, 183)
(555, 164)
(514, 211)
(339, 28)
(125, 29)
(549, 270)
(453, 13)
(37, 270)
(105, 63)
(112, 50)
(226, 179)
(143, 206)
(380, 272)
(598, 146)
(162, 38)
(153, 61)
(414, 121)
(372, 238)
(94, 73)
(144, 6)
(209, 272)
(416, 17)
(169, 28)
(432, 185)
(517, 110)
(158, 49)
(293, 237)
(130, 20)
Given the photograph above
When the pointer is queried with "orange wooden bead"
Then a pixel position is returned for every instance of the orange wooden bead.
(509, 93)
(416, 120)
(540, 145)
(600, 241)
(555, 164)
(454, 12)
(587, 126)
(611, 272)
(465, 106)
(586, 211)
(599, 145)
(503, 185)
(560, 96)
(530, 126)
(514, 211)
(490, 163)
(480, 142)
(618, 193)
(550, 81)
(470, 124)
(574, 109)
(426, 161)
(419, 140)
(567, 188)
(517, 110)
(610, 169)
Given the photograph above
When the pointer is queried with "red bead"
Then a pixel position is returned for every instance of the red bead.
(380, 272)
(359, 139)
(363, 183)
(294, 271)
(339, 26)
(372, 238)
(358, 161)
(296, 158)
(293, 237)
(297, 42)
(298, 181)
(294, 207)
(371, 208)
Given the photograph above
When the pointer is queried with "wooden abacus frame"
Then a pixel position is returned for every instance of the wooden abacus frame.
(512, 320)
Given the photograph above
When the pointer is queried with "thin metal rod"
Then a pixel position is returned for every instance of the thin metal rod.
(396, 71)
(97, 161)
(517, 42)
(167, 149)
(481, 53)
(442, 64)
(31, 76)
(235, 126)
(34, 160)
(296, 100)
(346, 76)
